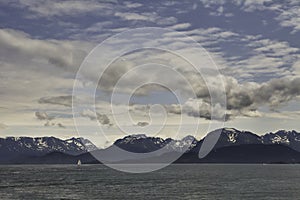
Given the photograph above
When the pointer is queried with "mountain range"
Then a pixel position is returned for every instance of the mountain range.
(233, 146)
(15, 149)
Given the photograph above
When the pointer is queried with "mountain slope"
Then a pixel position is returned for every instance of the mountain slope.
(249, 153)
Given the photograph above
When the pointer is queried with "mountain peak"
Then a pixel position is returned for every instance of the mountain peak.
(188, 138)
(130, 138)
(138, 136)
(230, 129)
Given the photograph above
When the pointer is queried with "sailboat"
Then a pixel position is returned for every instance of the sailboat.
(78, 162)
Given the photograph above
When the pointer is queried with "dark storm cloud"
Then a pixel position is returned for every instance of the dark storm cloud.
(277, 91)
(245, 99)
(272, 93)
(241, 99)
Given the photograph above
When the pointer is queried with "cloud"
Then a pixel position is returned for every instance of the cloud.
(273, 48)
(287, 13)
(89, 114)
(48, 123)
(58, 100)
(102, 118)
(137, 16)
(20, 44)
(181, 26)
(3, 126)
(129, 4)
(259, 56)
(242, 99)
(56, 10)
(31, 67)
(245, 99)
(277, 91)
(44, 64)
(142, 124)
(200, 109)
(167, 21)
(43, 116)
(296, 68)
(152, 17)
(60, 125)
(267, 58)
(290, 17)
(60, 8)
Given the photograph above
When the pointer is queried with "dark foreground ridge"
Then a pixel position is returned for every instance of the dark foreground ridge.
(233, 146)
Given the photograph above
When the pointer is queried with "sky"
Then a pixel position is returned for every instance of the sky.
(167, 67)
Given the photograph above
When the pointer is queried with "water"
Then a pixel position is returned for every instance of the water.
(174, 182)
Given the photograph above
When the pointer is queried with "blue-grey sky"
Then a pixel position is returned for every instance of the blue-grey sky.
(255, 44)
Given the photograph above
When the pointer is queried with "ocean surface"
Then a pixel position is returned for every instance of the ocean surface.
(204, 181)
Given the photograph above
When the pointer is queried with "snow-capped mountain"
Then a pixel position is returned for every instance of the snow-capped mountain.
(228, 137)
(183, 145)
(11, 147)
(234, 137)
(140, 143)
(288, 138)
(231, 136)
(85, 144)
(232, 141)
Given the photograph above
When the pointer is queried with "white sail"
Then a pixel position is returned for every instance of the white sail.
(79, 162)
